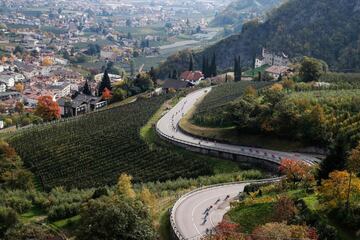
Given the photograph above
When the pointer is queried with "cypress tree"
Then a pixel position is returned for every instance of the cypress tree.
(235, 69)
(226, 78)
(260, 77)
(105, 82)
(86, 88)
(191, 64)
(174, 75)
(213, 70)
(203, 65)
(239, 69)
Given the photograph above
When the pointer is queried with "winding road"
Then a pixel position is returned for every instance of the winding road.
(189, 218)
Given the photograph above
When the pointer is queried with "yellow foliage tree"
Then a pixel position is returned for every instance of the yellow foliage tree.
(277, 87)
(250, 91)
(149, 200)
(47, 61)
(333, 192)
(125, 186)
(19, 87)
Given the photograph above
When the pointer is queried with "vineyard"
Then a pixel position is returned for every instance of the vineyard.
(210, 111)
(226, 93)
(94, 149)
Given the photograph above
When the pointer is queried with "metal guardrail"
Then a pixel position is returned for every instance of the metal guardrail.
(185, 196)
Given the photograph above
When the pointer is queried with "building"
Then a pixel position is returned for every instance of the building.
(193, 77)
(81, 104)
(10, 95)
(3, 87)
(60, 89)
(8, 79)
(271, 59)
(276, 71)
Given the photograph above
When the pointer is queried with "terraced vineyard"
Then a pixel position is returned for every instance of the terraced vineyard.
(94, 149)
(225, 93)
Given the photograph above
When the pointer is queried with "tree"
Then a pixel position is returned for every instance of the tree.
(105, 82)
(143, 81)
(19, 87)
(47, 109)
(250, 91)
(191, 63)
(106, 94)
(152, 75)
(333, 192)
(226, 231)
(284, 209)
(353, 166)
(237, 69)
(213, 66)
(8, 219)
(149, 200)
(18, 49)
(86, 89)
(125, 186)
(47, 61)
(296, 171)
(310, 70)
(19, 107)
(30, 231)
(114, 218)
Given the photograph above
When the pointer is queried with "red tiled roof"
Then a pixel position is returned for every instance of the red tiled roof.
(191, 76)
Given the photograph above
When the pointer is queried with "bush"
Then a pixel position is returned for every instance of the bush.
(8, 219)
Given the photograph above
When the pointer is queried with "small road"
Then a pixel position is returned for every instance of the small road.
(189, 218)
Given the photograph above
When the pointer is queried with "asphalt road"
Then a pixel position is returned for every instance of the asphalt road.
(188, 212)
(191, 212)
(168, 127)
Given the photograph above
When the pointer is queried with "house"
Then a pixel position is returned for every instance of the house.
(8, 79)
(276, 71)
(60, 89)
(81, 104)
(193, 77)
(271, 59)
(3, 87)
(9, 95)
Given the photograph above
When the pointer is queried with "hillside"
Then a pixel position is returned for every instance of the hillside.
(240, 11)
(95, 149)
(324, 29)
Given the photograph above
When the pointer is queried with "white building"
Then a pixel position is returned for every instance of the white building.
(8, 79)
(2, 87)
(271, 59)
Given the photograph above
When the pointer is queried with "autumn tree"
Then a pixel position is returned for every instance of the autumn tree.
(225, 230)
(296, 171)
(284, 209)
(149, 200)
(106, 94)
(125, 187)
(47, 109)
(333, 192)
(353, 166)
(19, 87)
(250, 91)
(47, 61)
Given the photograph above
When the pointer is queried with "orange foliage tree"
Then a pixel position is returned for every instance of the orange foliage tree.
(47, 61)
(47, 109)
(296, 171)
(225, 231)
(106, 94)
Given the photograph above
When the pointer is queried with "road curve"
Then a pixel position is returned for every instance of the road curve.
(187, 215)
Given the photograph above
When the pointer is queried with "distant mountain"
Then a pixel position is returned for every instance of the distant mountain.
(241, 11)
(325, 29)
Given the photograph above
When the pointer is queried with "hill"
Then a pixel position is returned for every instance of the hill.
(324, 29)
(93, 150)
(241, 11)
